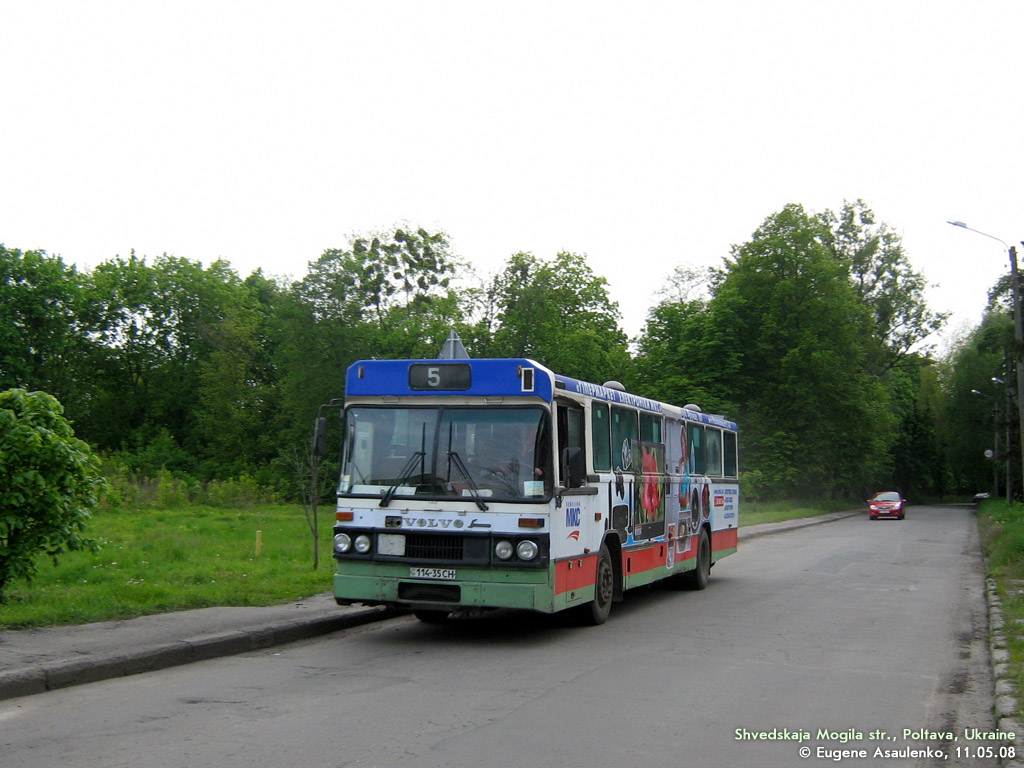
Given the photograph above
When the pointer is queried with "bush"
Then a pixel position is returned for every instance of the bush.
(121, 493)
(170, 490)
(241, 491)
(128, 491)
(50, 479)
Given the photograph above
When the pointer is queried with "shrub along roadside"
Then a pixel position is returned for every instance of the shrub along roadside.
(50, 482)
(177, 558)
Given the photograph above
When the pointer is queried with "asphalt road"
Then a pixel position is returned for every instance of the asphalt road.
(830, 635)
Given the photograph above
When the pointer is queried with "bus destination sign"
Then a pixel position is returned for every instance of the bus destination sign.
(440, 376)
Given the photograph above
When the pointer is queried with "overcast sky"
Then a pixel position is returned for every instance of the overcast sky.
(644, 135)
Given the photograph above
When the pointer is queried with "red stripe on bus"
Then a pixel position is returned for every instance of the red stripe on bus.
(727, 539)
(575, 573)
(579, 572)
(640, 560)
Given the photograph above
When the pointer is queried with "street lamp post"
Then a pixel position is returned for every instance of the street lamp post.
(1018, 328)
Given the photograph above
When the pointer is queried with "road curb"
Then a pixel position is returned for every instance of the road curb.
(65, 673)
(1005, 691)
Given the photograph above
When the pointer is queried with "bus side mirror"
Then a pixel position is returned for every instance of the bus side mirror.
(319, 436)
(575, 467)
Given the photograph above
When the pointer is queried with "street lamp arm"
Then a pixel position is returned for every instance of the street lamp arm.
(979, 232)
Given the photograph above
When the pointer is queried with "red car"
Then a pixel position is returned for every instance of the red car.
(887, 504)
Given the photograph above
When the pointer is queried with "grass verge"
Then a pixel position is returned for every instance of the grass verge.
(755, 513)
(155, 561)
(1002, 540)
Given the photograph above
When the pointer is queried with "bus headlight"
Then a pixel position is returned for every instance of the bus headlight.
(362, 543)
(342, 543)
(504, 550)
(527, 550)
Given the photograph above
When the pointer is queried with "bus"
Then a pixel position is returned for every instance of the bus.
(475, 484)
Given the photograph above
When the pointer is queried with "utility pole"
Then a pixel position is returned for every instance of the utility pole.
(1018, 349)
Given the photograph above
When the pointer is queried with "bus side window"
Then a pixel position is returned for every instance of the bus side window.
(650, 428)
(571, 451)
(713, 450)
(731, 463)
(624, 432)
(600, 434)
(696, 435)
(674, 446)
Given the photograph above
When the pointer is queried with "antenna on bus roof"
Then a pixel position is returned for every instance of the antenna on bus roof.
(453, 348)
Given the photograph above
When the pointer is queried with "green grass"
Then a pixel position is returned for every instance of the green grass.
(162, 560)
(1002, 536)
(1002, 540)
(755, 513)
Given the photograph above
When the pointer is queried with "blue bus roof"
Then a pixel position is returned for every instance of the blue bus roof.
(488, 377)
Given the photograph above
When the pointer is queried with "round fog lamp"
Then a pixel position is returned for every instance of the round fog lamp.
(342, 543)
(527, 550)
(362, 543)
(503, 549)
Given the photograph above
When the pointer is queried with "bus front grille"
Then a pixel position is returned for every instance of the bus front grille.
(427, 546)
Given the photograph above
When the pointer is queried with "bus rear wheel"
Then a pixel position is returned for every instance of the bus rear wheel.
(698, 577)
(596, 612)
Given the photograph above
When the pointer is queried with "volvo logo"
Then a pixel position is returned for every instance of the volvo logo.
(442, 523)
(393, 521)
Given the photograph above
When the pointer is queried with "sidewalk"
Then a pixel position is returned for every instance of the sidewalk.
(37, 660)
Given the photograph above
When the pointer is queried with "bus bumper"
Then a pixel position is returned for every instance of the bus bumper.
(492, 588)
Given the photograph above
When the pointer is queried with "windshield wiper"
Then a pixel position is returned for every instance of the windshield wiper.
(407, 472)
(457, 460)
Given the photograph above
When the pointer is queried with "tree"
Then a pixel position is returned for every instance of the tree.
(917, 456)
(41, 339)
(559, 313)
(385, 296)
(238, 404)
(794, 341)
(883, 279)
(971, 421)
(681, 358)
(51, 481)
(390, 294)
(809, 340)
(153, 326)
(686, 284)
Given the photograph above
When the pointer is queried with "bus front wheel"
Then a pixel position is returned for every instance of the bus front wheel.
(604, 590)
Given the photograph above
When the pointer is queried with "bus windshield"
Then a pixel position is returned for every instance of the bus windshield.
(493, 453)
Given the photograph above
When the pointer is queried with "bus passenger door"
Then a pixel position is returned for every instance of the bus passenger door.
(572, 462)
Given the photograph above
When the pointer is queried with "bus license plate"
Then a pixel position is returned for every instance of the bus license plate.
(441, 574)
